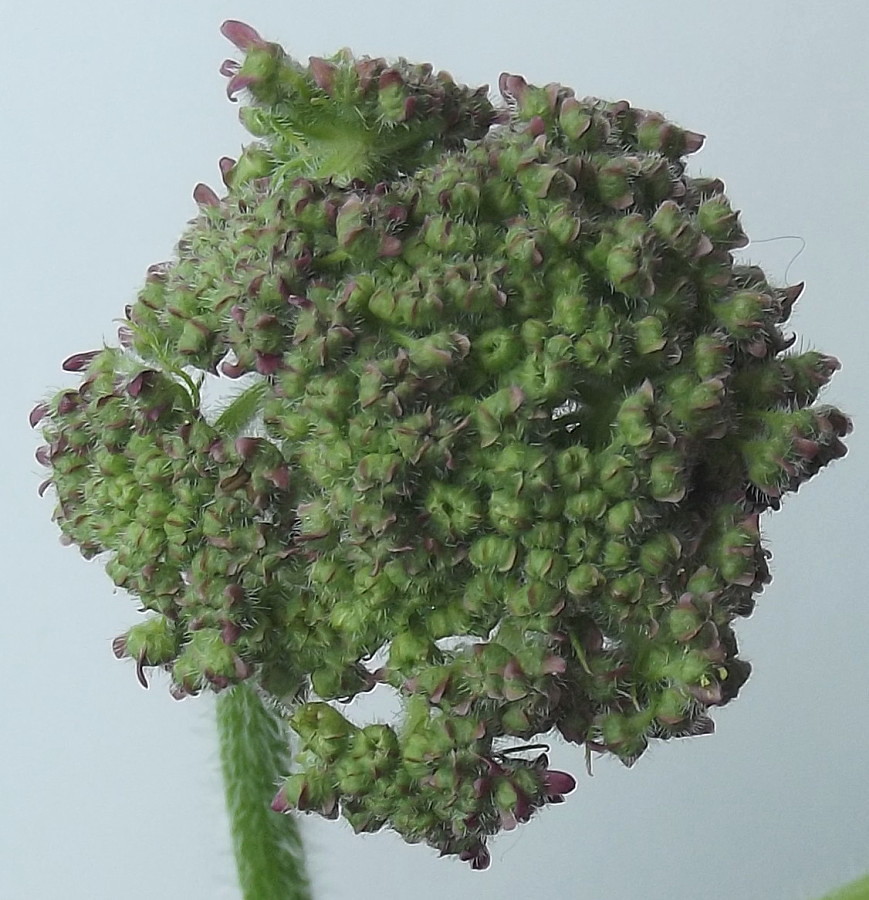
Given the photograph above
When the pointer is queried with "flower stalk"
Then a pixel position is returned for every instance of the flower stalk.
(254, 746)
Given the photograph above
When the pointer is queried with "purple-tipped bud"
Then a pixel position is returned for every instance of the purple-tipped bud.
(323, 73)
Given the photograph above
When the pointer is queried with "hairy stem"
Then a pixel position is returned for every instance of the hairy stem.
(254, 751)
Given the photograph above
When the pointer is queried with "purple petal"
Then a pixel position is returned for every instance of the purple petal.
(205, 196)
(234, 593)
(300, 302)
(693, 141)
(481, 860)
(390, 246)
(227, 164)
(389, 78)
(140, 670)
(68, 403)
(323, 73)
(522, 811)
(280, 803)
(243, 36)
(512, 87)
(279, 477)
(268, 363)
(37, 414)
(233, 370)
(158, 271)
(230, 632)
(238, 83)
(536, 126)
(78, 361)
(555, 782)
(246, 446)
(139, 382)
(44, 486)
(229, 67)
(554, 665)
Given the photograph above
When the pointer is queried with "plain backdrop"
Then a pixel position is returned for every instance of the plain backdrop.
(111, 113)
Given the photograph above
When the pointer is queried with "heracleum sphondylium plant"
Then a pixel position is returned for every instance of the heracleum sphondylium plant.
(514, 413)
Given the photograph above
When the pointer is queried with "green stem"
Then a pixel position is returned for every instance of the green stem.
(254, 752)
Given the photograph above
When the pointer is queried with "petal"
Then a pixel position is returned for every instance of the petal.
(243, 36)
(323, 73)
(555, 782)
(238, 83)
(205, 196)
(227, 164)
(37, 414)
(78, 361)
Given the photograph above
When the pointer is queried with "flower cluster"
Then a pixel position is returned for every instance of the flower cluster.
(512, 413)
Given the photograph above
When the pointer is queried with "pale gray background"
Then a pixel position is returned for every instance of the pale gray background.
(111, 112)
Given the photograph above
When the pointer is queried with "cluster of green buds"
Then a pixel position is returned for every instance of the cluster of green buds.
(510, 414)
